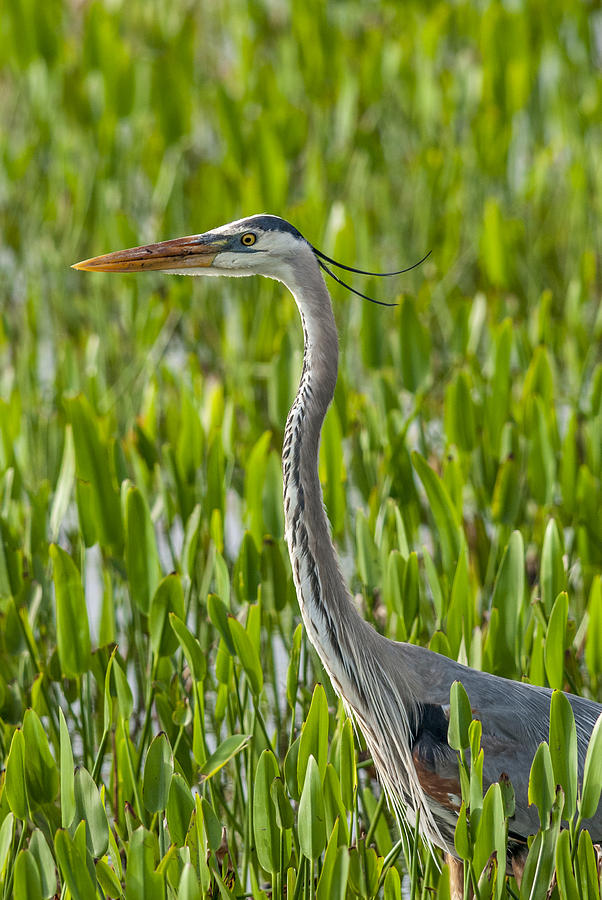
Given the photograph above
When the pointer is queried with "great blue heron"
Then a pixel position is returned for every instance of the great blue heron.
(397, 692)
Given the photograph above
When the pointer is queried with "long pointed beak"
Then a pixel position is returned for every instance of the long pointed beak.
(192, 252)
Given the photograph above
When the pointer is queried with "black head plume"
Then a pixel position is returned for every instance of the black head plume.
(323, 259)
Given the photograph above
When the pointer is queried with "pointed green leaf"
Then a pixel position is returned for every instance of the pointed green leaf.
(180, 805)
(41, 772)
(67, 774)
(74, 869)
(592, 773)
(15, 783)
(142, 882)
(266, 831)
(27, 883)
(224, 753)
(311, 819)
(563, 750)
(167, 599)
(247, 654)
(541, 784)
(141, 557)
(158, 769)
(90, 809)
(40, 851)
(314, 736)
(292, 676)
(72, 629)
(555, 641)
(460, 717)
(552, 578)
(188, 888)
(443, 511)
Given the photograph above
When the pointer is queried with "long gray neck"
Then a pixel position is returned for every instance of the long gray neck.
(332, 622)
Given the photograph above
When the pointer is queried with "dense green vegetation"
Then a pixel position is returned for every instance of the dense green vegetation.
(144, 582)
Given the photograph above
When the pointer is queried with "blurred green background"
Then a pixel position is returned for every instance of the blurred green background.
(382, 130)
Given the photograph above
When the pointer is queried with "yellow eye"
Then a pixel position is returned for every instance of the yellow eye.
(248, 239)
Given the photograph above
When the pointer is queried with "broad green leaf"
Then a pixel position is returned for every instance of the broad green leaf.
(141, 555)
(71, 858)
(247, 654)
(460, 717)
(505, 503)
(142, 882)
(587, 867)
(247, 571)
(334, 807)
(333, 877)
(158, 770)
(491, 835)
(224, 753)
(27, 883)
(285, 816)
(541, 784)
(272, 510)
(567, 885)
(555, 641)
(411, 591)
(6, 837)
(347, 767)
(265, 826)
(64, 485)
(125, 700)
(415, 347)
(219, 615)
(291, 762)
(552, 577)
(460, 424)
(256, 467)
(462, 834)
(94, 469)
(563, 750)
(167, 599)
(392, 886)
(593, 637)
(212, 825)
(188, 888)
(443, 511)
(314, 736)
(107, 879)
(41, 773)
(180, 805)
(41, 852)
(292, 675)
(539, 867)
(274, 576)
(367, 555)
(311, 818)
(90, 809)
(15, 783)
(72, 629)
(191, 541)
(592, 773)
(460, 613)
(67, 776)
(191, 647)
(507, 598)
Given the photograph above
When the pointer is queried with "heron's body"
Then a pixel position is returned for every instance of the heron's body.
(398, 693)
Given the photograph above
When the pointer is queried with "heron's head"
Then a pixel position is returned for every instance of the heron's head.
(257, 245)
